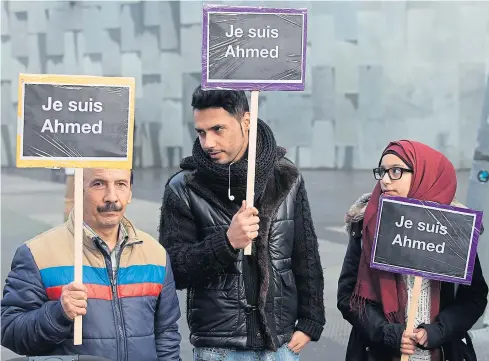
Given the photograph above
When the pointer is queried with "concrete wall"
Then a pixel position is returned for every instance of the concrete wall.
(375, 72)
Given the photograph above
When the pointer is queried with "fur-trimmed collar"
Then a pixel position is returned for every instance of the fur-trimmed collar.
(357, 210)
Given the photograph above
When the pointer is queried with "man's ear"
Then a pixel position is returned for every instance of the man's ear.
(246, 121)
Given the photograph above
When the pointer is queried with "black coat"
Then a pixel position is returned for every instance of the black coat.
(373, 336)
(193, 229)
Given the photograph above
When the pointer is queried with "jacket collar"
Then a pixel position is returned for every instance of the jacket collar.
(87, 237)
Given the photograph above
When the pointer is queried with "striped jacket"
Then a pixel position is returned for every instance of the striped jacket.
(131, 319)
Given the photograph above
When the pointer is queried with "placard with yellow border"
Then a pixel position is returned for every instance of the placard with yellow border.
(75, 121)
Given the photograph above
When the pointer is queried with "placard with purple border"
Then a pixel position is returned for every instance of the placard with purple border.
(426, 239)
(254, 48)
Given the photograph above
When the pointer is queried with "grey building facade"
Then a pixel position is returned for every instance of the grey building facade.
(375, 72)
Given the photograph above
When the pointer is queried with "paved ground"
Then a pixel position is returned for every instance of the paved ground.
(32, 201)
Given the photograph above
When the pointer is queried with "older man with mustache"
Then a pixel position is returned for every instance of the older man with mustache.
(128, 298)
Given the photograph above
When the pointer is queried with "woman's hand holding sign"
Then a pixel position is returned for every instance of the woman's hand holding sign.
(408, 343)
(421, 337)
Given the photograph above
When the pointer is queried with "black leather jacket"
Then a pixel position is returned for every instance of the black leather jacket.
(193, 230)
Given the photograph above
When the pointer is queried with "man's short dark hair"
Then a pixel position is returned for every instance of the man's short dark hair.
(232, 101)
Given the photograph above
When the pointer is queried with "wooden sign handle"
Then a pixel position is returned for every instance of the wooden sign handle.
(78, 245)
(250, 182)
(413, 308)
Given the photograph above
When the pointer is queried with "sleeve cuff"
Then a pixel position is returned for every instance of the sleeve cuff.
(310, 328)
(223, 250)
(57, 317)
(393, 335)
(434, 334)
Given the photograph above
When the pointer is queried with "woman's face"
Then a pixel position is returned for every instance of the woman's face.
(396, 181)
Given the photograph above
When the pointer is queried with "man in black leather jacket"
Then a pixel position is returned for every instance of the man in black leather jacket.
(269, 304)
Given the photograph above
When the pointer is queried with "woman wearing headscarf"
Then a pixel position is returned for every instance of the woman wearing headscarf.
(375, 302)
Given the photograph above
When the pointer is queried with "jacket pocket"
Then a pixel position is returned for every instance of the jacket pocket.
(215, 306)
(288, 278)
(288, 300)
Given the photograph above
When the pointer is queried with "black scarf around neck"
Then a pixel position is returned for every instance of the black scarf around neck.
(217, 176)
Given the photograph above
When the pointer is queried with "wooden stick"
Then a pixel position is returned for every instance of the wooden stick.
(78, 213)
(250, 182)
(413, 308)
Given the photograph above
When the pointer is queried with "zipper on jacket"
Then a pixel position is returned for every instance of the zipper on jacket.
(115, 308)
(118, 302)
(121, 340)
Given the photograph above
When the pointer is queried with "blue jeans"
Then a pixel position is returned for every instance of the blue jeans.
(225, 354)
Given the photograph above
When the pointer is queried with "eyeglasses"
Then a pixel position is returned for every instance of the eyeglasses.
(395, 173)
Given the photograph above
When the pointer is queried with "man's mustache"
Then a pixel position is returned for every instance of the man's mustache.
(109, 207)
